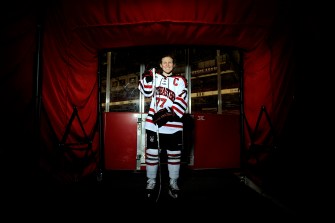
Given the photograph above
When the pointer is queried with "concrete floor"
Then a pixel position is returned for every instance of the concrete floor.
(209, 194)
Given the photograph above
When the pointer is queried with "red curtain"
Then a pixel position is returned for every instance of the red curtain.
(74, 31)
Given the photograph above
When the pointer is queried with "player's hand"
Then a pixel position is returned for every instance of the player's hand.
(148, 75)
(161, 117)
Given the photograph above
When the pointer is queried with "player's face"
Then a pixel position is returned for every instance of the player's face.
(167, 65)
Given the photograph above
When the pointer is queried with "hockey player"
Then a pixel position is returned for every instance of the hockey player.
(163, 123)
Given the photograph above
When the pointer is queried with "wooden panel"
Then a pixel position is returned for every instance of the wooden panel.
(216, 141)
(120, 135)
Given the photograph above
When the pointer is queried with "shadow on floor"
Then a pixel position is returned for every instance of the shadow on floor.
(209, 194)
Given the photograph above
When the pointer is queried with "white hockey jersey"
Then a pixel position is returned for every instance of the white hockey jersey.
(169, 92)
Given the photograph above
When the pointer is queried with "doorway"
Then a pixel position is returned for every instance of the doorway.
(212, 122)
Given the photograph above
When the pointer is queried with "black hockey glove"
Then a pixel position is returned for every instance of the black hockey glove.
(161, 117)
(148, 75)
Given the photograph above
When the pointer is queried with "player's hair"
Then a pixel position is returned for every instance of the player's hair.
(167, 54)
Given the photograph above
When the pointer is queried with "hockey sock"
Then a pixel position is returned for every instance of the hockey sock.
(173, 163)
(151, 161)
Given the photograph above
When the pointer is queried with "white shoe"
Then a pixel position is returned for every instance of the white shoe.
(173, 188)
(151, 183)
